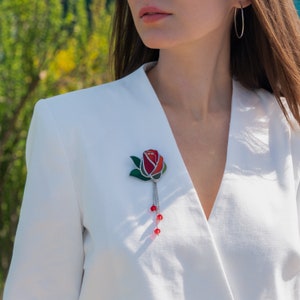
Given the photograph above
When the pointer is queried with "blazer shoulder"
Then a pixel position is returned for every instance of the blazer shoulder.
(81, 98)
(269, 101)
(104, 106)
(101, 100)
(289, 125)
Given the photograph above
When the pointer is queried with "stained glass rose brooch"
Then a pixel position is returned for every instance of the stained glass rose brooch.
(150, 168)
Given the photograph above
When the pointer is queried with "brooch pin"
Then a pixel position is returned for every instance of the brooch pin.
(150, 168)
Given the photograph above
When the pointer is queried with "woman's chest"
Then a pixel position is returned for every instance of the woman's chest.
(253, 230)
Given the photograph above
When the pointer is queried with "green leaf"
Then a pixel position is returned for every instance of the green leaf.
(136, 161)
(157, 176)
(143, 172)
(164, 169)
(137, 173)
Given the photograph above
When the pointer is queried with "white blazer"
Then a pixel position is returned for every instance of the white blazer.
(85, 227)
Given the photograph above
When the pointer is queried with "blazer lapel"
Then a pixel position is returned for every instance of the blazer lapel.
(186, 238)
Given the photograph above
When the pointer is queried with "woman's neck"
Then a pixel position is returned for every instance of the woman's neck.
(194, 78)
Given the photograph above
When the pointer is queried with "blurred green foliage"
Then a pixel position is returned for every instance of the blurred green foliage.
(46, 47)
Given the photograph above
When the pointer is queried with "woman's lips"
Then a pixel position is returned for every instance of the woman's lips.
(152, 14)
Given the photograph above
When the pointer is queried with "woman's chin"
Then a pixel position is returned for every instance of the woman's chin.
(158, 43)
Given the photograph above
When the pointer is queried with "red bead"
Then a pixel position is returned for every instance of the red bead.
(159, 217)
(157, 231)
(153, 208)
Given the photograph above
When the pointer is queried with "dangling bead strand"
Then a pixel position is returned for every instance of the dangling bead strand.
(156, 209)
(153, 208)
(159, 218)
(156, 231)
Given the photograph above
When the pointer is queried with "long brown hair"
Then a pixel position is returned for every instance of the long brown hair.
(267, 56)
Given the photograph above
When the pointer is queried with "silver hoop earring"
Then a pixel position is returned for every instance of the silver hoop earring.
(239, 35)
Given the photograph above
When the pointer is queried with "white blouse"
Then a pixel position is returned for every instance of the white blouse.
(85, 227)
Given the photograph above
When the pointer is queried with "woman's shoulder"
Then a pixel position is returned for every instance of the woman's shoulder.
(277, 115)
(266, 103)
(283, 131)
(113, 93)
(103, 106)
(267, 110)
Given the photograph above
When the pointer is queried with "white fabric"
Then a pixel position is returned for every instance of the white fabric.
(84, 231)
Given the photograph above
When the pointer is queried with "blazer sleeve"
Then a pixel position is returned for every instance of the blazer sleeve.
(47, 259)
(295, 146)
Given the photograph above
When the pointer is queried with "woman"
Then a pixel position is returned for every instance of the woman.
(213, 140)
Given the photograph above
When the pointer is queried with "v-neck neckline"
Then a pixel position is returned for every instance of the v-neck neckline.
(196, 197)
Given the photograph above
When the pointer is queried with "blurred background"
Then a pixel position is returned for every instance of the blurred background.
(297, 3)
(46, 48)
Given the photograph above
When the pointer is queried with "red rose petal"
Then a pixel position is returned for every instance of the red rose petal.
(149, 159)
(159, 166)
